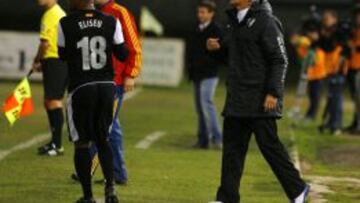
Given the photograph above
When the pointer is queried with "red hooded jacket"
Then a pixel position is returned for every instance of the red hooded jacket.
(132, 66)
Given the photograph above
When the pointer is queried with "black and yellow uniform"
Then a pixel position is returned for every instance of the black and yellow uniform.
(54, 71)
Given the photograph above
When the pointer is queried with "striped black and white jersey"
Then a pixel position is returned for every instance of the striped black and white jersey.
(87, 40)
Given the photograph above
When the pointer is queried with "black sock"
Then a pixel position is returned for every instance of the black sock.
(83, 169)
(107, 165)
(56, 120)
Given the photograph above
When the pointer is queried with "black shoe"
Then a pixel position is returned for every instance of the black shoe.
(355, 132)
(51, 150)
(349, 128)
(83, 200)
(121, 182)
(200, 146)
(321, 129)
(75, 177)
(45, 148)
(111, 199)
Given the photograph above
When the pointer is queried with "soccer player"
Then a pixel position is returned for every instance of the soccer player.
(255, 89)
(87, 41)
(54, 75)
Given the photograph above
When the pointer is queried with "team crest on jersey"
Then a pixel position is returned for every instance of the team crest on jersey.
(89, 15)
(250, 22)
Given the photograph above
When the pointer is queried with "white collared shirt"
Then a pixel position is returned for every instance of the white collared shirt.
(203, 26)
(241, 14)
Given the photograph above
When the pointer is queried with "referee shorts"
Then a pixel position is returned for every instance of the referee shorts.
(55, 78)
(90, 112)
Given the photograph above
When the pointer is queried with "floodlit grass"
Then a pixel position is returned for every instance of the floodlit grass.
(170, 171)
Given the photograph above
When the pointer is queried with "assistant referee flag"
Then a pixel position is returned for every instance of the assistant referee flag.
(19, 104)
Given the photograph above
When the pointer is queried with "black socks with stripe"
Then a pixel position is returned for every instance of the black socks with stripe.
(56, 121)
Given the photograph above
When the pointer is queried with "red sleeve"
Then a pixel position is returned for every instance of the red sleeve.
(132, 40)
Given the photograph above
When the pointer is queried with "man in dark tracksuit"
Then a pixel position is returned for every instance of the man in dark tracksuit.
(255, 84)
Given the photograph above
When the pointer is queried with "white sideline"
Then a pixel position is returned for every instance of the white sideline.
(295, 152)
(36, 140)
(41, 138)
(149, 140)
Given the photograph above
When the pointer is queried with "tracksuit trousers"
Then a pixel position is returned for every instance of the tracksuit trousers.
(237, 134)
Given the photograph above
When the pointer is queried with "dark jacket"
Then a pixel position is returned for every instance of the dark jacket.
(257, 62)
(202, 64)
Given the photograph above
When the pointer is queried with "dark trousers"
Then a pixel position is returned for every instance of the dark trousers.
(315, 88)
(334, 108)
(351, 79)
(237, 134)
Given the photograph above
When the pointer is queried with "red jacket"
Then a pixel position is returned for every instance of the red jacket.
(132, 66)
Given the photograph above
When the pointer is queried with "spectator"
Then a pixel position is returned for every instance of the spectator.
(204, 74)
(354, 73)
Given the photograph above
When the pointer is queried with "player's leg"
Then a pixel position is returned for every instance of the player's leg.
(202, 133)
(237, 133)
(82, 160)
(80, 112)
(208, 89)
(116, 140)
(55, 81)
(277, 157)
(103, 119)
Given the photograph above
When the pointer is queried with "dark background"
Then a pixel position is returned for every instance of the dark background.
(177, 16)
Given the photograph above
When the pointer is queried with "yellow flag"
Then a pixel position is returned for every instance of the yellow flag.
(19, 104)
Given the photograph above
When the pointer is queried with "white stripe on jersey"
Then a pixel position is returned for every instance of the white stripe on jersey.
(61, 37)
(118, 35)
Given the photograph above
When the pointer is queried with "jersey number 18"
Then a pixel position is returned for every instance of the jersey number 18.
(93, 52)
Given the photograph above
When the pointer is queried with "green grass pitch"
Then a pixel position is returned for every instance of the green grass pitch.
(170, 171)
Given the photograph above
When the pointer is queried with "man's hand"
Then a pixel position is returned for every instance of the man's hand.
(213, 44)
(129, 84)
(270, 103)
(37, 67)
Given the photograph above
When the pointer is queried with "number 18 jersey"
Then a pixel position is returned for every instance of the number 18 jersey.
(87, 40)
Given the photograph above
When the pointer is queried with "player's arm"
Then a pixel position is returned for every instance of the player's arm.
(43, 46)
(61, 43)
(120, 50)
(132, 40)
(44, 43)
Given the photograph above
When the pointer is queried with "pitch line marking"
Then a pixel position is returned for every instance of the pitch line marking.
(150, 139)
(43, 137)
(24, 145)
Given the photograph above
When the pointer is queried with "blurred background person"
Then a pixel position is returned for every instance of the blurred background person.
(54, 75)
(203, 73)
(316, 70)
(336, 71)
(354, 71)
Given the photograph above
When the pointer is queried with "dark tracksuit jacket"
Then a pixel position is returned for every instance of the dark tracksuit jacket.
(257, 67)
(257, 62)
